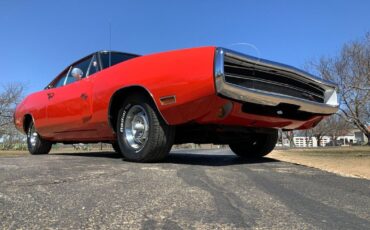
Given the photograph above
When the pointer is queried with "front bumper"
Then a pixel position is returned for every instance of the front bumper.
(252, 95)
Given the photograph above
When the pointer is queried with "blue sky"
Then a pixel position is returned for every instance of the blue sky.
(40, 38)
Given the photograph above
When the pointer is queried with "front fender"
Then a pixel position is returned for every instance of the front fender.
(186, 75)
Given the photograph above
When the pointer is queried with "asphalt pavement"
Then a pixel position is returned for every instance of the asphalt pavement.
(208, 189)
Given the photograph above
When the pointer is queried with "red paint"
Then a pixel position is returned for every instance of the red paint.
(79, 111)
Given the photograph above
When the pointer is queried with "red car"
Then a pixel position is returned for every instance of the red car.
(143, 105)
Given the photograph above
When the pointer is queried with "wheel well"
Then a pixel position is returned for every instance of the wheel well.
(119, 96)
(26, 122)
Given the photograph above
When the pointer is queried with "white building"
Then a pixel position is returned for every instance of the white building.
(303, 141)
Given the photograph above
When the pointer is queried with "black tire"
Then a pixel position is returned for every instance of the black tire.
(155, 139)
(116, 148)
(255, 146)
(36, 144)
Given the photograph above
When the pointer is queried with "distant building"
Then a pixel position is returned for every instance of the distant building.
(355, 136)
(305, 141)
(360, 136)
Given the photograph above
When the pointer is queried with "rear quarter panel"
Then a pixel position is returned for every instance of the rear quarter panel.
(35, 105)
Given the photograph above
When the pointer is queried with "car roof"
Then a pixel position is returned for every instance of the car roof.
(103, 51)
(113, 51)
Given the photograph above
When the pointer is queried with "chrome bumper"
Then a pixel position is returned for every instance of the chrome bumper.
(243, 94)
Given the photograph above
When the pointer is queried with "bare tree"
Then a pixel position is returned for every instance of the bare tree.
(9, 98)
(332, 126)
(308, 135)
(351, 71)
(290, 136)
(320, 131)
(338, 127)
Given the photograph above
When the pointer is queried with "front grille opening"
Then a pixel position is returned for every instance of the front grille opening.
(254, 76)
(282, 110)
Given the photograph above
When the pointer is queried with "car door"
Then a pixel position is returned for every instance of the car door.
(69, 108)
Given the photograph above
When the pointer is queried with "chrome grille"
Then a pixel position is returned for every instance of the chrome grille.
(251, 75)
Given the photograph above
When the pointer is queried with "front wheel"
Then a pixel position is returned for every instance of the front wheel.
(142, 134)
(255, 146)
(36, 144)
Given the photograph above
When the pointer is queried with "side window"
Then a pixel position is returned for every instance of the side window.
(70, 79)
(112, 58)
(60, 82)
(93, 67)
(78, 71)
(61, 79)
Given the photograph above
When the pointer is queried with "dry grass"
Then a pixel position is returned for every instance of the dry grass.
(346, 161)
(351, 150)
(13, 153)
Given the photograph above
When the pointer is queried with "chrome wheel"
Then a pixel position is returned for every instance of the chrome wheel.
(36, 144)
(136, 127)
(33, 136)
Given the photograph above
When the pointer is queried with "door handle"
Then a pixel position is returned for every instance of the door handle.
(50, 95)
(84, 96)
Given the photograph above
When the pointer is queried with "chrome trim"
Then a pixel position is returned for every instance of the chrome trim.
(262, 69)
(272, 83)
(239, 93)
(276, 65)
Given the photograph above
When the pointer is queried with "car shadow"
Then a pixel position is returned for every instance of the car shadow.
(92, 154)
(186, 158)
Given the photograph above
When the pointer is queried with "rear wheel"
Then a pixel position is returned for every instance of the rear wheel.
(36, 145)
(255, 146)
(142, 134)
(116, 148)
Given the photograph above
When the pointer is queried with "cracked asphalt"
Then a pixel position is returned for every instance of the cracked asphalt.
(208, 189)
